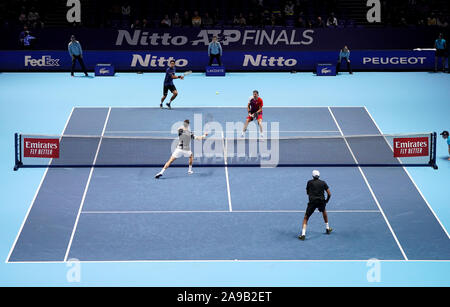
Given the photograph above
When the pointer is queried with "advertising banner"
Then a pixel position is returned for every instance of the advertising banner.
(371, 60)
(232, 39)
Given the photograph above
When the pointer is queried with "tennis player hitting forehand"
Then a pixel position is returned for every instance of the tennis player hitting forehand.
(315, 190)
(183, 148)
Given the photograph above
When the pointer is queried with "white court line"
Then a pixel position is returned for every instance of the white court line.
(412, 180)
(221, 211)
(214, 107)
(86, 189)
(225, 157)
(370, 188)
(37, 192)
(228, 260)
(175, 132)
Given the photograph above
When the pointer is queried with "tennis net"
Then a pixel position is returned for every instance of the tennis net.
(71, 151)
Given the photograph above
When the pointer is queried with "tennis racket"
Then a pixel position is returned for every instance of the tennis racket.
(187, 73)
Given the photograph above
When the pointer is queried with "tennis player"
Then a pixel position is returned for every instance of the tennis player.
(254, 109)
(183, 148)
(168, 84)
(447, 138)
(315, 189)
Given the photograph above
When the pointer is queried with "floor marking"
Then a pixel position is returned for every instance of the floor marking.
(219, 211)
(214, 107)
(231, 260)
(175, 132)
(225, 157)
(410, 177)
(36, 193)
(370, 188)
(86, 188)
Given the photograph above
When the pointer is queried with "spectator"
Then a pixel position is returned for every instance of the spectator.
(23, 17)
(28, 40)
(126, 11)
(33, 15)
(431, 21)
(196, 20)
(208, 21)
(186, 21)
(23, 34)
(145, 24)
(265, 18)
(289, 8)
(277, 18)
(344, 54)
(273, 19)
(166, 22)
(441, 52)
(441, 22)
(332, 21)
(242, 22)
(215, 51)
(76, 53)
(300, 22)
(176, 20)
(403, 22)
(116, 11)
(235, 20)
(252, 20)
(217, 15)
(319, 22)
(136, 25)
(445, 137)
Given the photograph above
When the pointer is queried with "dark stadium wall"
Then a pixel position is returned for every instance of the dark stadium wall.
(194, 39)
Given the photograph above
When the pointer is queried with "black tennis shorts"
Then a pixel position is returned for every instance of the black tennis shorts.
(313, 205)
(167, 88)
(441, 53)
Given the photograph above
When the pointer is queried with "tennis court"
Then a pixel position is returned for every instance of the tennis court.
(226, 212)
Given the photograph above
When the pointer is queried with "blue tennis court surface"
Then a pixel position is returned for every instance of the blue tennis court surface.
(226, 213)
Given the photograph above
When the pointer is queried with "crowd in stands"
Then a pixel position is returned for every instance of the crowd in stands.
(406, 13)
(252, 13)
(236, 13)
(22, 13)
(260, 13)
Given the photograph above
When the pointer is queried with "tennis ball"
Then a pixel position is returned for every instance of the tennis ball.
(217, 93)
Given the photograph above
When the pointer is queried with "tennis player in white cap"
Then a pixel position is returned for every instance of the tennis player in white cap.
(315, 189)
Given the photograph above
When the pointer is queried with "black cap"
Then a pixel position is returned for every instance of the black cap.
(445, 132)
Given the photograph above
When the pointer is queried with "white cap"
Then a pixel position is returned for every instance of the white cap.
(315, 173)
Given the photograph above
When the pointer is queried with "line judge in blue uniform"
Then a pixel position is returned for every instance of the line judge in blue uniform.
(441, 52)
(215, 51)
(344, 54)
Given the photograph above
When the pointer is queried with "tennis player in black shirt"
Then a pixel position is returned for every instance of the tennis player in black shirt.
(315, 190)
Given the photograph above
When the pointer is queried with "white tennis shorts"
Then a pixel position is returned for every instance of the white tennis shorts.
(178, 153)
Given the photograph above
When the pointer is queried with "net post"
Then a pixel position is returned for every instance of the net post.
(17, 151)
(433, 148)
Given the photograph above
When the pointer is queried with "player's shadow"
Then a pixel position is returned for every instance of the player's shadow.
(310, 235)
(85, 77)
(196, 174)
